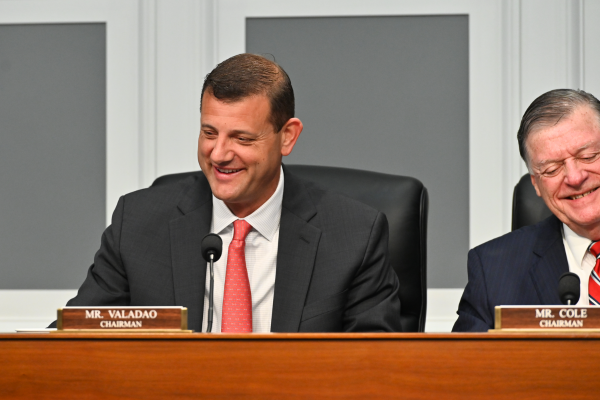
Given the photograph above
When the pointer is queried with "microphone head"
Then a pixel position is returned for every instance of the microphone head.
(568, 288)
(211, 244)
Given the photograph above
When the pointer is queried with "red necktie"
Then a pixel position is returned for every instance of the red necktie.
(237, 298)
(594, 283)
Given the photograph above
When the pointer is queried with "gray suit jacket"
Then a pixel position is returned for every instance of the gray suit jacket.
(332, 273)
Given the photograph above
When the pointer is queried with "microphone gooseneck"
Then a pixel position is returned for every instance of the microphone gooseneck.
(569, 288)
(211, 248)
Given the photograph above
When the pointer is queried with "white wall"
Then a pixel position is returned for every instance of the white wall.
(158, 52)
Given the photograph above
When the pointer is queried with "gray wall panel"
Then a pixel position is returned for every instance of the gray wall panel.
(387, 94)
(52, 153)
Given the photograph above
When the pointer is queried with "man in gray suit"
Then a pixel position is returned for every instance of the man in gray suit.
(296, 258)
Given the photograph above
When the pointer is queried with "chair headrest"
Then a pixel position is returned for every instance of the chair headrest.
(528, 207)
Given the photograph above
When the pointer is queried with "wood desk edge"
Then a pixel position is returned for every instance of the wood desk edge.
(304, 336)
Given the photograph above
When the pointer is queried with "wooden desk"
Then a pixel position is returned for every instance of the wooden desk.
(364, 366)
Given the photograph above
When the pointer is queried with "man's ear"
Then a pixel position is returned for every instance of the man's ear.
(289, 135)
(534, 183)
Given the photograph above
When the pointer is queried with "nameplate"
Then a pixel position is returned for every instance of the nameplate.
(547, 318)
(122, 319)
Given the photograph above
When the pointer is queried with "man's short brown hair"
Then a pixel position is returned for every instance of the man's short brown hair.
(247, 75)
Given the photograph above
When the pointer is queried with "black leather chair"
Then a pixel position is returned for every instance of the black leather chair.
(405, 203)
(528, 208)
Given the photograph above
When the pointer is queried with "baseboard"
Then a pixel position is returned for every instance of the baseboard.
(30, 308)
(37, 308)
(441, 309)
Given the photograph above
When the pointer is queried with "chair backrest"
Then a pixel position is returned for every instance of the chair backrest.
(405, 202)
(528, 207)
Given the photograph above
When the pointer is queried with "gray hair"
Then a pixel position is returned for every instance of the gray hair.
(549, 109)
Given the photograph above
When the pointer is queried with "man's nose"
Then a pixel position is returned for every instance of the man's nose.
(222, 152)
(575, 173)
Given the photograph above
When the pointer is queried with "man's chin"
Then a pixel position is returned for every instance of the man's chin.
(225, 197)
(584, 225)
(223, 190)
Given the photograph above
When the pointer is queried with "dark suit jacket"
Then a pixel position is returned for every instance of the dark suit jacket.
(332, 268)
(519, 268)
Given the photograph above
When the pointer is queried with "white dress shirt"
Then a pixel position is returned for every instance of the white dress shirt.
(261, 259)
(581, 261)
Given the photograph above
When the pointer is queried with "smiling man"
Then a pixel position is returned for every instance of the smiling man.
(559, 139)
(296, 258)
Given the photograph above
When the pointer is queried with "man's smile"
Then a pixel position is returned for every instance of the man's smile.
(227, 171)
(579, 196)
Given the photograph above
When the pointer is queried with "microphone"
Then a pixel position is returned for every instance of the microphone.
(211, 248)
(568, 288)
(211, 245)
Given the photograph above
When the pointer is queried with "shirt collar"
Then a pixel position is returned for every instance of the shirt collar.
(265, 219)
(577, 244)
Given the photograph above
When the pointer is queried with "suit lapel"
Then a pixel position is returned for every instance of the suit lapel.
(189, 268)
(297, 249)
(552, 261)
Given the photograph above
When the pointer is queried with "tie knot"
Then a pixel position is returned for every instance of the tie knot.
(241, 228)
(595, 248)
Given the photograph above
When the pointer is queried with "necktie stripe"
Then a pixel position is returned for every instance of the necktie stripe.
(594, 280)
(595, 277)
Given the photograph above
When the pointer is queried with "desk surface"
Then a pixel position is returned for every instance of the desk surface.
(542, 335)
(530, 366)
